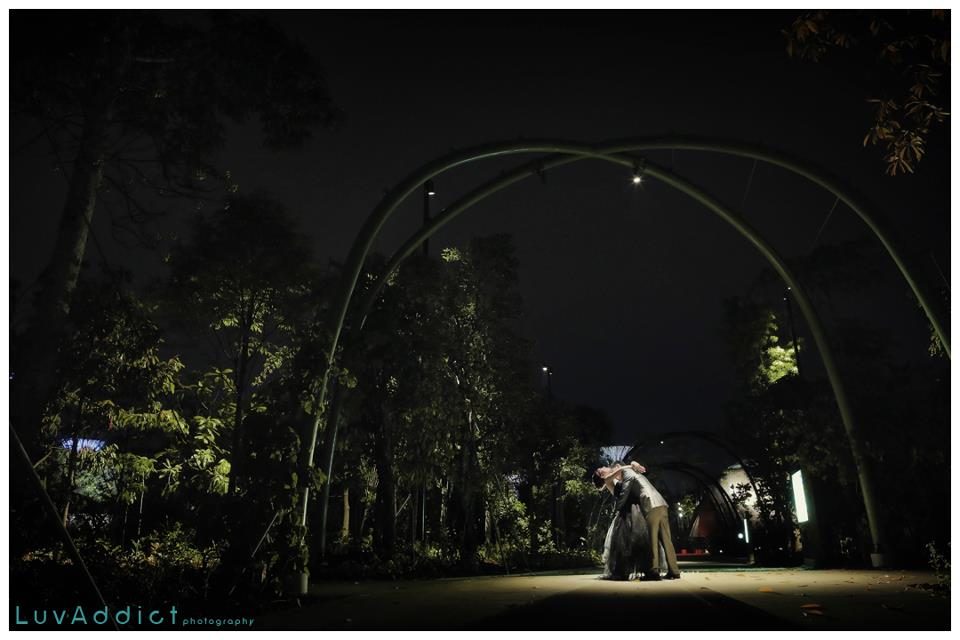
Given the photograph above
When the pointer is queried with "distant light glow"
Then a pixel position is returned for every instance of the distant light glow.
(799, 497)
(545, 369)
(637, 179)
(83, 443)
(740, 535)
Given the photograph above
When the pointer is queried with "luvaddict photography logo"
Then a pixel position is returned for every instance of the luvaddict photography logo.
(129, 617)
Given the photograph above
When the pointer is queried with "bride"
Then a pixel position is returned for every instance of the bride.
(626, 550)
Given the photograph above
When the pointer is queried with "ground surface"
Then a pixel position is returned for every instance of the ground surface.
(705, 598)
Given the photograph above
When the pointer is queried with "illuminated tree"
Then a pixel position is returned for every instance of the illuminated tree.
(244, 283)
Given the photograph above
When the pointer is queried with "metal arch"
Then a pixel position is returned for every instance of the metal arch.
(690, 143)
(712, 439)
(725, 507)
(803, 301)
(805, 170)
(393, 198)
(729, 510)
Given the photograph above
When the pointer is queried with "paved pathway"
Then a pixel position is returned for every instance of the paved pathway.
(734, 599)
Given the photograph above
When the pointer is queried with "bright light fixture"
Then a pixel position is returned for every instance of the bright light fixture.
(746, 531)
(637, 179)
(799, 497)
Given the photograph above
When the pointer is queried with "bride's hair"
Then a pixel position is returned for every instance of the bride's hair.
(597, 480)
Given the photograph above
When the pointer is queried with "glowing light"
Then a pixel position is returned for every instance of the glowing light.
(799, 497)
(637, 179)
(746, 531)
(740, 535)
(83, 443)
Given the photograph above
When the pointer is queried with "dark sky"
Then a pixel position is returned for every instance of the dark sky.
(622, 287)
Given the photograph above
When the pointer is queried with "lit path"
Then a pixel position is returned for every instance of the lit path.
(729, 599)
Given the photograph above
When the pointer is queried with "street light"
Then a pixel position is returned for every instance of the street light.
(428, 192)
(638, 170)
(547, 370)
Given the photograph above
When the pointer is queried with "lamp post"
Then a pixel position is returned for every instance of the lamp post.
(428, 192)
(548, 372)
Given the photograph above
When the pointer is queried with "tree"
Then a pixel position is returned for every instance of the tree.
(907, 57)
(791, 423)
(113, 399)
(440, 371)
(245, 281)
(137, 103)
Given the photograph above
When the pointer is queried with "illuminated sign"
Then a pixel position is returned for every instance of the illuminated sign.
(799, 497)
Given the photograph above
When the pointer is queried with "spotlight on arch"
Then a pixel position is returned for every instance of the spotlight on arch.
(637, 177)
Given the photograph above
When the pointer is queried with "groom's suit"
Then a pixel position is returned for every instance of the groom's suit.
(636, 489)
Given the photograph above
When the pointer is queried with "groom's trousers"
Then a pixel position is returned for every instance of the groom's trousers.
(658, 521)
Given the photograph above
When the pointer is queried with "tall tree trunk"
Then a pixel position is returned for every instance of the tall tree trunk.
(385, 527)
(243, 357)
(560, 524)
(527, 493)
(468, 532)
(36, 355)
(359, 510)
(414, 515)
(68, 479)
(345, 521)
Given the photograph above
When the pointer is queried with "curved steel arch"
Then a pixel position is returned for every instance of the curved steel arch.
(713, 439)
(689, 143)
(394, 197)
(725, 507)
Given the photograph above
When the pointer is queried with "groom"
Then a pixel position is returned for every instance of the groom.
(635, 487)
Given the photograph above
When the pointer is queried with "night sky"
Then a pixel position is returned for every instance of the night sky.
(622, 286)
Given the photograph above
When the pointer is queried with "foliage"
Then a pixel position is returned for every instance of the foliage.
(112, 377)
(900, 401)
(752, 333)
(908, 55)
(161, 568)
(940, 563)
(243, 283)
